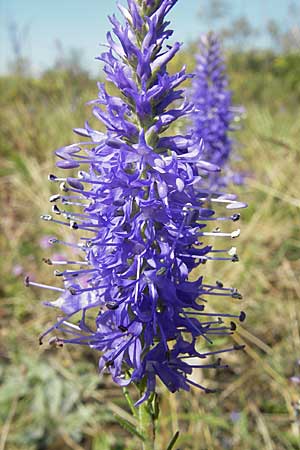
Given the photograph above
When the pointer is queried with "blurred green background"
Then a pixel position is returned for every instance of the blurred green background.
(53, 398)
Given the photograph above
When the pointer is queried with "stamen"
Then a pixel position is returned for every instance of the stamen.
(241, 317)
(230, 203)
(27, 283)
(206, 390)
(80, 291)
(138, 273)
(232, 235)
(74, 272)
(72, 224)
(65, 202)
(54, 178)
(235, 347)
(203, 259)
(52, 262)
(68, 244)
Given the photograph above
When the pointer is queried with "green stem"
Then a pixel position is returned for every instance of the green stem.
(147, 422)
(130, 402)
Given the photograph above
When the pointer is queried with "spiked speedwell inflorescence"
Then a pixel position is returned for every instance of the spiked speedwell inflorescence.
(215, 116)
(145, 220)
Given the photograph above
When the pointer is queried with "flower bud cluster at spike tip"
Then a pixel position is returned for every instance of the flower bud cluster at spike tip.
(215, 116)
(145, 221)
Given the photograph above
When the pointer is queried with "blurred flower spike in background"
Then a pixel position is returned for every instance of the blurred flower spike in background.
(146, 220)
(215, 117)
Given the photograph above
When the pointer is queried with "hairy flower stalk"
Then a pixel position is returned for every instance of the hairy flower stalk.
(145, 220)
(215, 116)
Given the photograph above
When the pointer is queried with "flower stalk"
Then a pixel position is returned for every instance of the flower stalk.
(148, 415)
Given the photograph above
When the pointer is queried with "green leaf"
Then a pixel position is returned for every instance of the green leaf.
(173, 441)
(129, 427)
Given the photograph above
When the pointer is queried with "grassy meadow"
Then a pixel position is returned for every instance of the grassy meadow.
(53, 398)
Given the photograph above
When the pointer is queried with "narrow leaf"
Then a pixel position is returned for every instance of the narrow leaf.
(173, 441)
(129, 427)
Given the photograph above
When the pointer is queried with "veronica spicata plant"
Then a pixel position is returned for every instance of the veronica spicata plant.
(215, 116)
(144, 224)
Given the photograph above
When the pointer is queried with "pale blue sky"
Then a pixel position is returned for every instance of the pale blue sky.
(83, 24)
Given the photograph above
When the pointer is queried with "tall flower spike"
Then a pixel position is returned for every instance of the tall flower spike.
(214, 114)
(142, 226)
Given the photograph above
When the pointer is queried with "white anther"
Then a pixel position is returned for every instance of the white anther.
(235, 233)
(73, 224)
(63, 187)
(232, 251)
(54, 198)
(46, 217)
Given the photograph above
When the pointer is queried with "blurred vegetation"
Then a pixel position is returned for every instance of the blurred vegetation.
(54, 399)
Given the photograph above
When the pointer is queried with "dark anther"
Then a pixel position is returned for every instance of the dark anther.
(56, 209)
(194, 215)
(72, 291)
(210, 391)
(219, 284)
(26, 281)
(239, 347)
(235, 258)
(40, 340)
(232, 326)
(242, 316)
(58, 273)
(74, 225)
(237, 295)
(235, 217)
(112, 305)
(109, 363)
(52, 177)
(55, 341)
(47, 261)
(122, 328)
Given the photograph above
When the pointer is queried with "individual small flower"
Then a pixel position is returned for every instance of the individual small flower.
(235, 416)
(44, 242)
(295, 379)
(17, 270)
(214, 114)
(146, 219)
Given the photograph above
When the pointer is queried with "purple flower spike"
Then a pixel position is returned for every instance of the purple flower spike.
(214, 115)
(146, 220)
